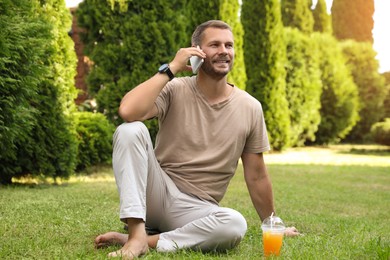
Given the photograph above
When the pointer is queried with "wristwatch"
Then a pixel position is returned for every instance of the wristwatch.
(165, 69)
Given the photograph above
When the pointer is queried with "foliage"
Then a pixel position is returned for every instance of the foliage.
(199, 11)
(386, 102)
(353, 19)
(123, 4)
(128, 47)
(41, 43)
(52, 148)
(381, 132)
(297, 14)
(303, 86)
(322, 20)
(364, 68)
(94, 134)
(265, 55)
(339, 98)
(22, 47)
(229, 13)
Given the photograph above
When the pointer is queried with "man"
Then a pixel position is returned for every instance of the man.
(206, 125)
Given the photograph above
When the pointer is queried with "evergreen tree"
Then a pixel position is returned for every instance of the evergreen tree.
(127, 47)
(229, 14)
(322, 20)
(303, 86)
(123, 4)
(297, 14)
(49, 147)
(339, 98)
(265, 56)
(52, 149)
(200, 11)
(386, 102)
(353, 19)
(22, 47)
(371, 85)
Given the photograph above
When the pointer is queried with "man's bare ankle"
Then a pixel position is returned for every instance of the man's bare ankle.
(136, 228)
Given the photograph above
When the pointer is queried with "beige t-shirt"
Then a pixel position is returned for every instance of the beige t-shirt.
(199, 145)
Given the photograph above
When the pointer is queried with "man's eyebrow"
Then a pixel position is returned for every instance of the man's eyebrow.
(219, 42)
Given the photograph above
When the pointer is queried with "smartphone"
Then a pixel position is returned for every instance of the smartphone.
(196, 62)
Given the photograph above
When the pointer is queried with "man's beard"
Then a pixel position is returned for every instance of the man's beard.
(209, 69)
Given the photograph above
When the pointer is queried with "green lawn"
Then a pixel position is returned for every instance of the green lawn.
(341, 204)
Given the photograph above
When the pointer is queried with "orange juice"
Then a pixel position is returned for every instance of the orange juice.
(272, 242)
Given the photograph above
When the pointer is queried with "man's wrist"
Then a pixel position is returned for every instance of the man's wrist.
(165, 69)
(173, 68)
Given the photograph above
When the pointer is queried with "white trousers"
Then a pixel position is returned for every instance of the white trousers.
(147, 192)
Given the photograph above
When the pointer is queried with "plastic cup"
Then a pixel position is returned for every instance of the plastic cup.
(273, 231)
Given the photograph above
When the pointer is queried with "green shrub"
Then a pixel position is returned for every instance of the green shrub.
(51, 151)
(22, 47)
(265, 56)
(94, 133)
(322, 20)
(37, 69)
(381, 132)
(229, 13)
(339, 98)
(303, 86)
(297, 14)
(361, 61)
(386, 102)
(127, 47)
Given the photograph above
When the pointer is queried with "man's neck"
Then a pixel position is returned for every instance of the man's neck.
(215, 90)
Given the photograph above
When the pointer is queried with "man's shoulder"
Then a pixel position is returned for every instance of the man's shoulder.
(179, 86)
(247, 99)
(185, 80)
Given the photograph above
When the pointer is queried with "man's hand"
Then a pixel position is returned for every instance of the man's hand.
(291, 232)
(180, 62)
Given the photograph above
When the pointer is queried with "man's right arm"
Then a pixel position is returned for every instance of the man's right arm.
(138, 104)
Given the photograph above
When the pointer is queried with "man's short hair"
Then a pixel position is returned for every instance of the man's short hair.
(198, 33)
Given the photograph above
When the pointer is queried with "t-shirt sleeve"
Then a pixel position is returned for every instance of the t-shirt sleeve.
(163, 100)
(257, 140)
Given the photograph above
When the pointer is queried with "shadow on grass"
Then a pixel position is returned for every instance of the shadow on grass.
(96, 172)
(34, 184)
(368, 152)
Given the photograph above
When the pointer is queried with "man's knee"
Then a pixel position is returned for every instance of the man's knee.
(236, 224)
(128, 133)
(233, 229)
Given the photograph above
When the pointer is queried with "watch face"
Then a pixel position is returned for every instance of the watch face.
(163, 68)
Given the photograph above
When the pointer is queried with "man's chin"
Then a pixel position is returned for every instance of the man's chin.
(222, 69)
(218, 71)
(222, 72)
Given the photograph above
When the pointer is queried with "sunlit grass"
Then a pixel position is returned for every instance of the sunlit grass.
(342, 210)
(370, 155)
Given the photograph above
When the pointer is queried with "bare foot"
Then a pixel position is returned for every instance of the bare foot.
(133, 248)
(110, 238)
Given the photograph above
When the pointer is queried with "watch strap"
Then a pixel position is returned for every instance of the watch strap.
(165, 69)
(169, 73)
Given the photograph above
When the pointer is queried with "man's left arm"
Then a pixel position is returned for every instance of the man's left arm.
(260, 187)
(258, 183)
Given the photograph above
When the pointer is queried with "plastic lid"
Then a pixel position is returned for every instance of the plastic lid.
(273, 222)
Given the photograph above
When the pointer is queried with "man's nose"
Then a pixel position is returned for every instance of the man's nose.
(222, 49)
